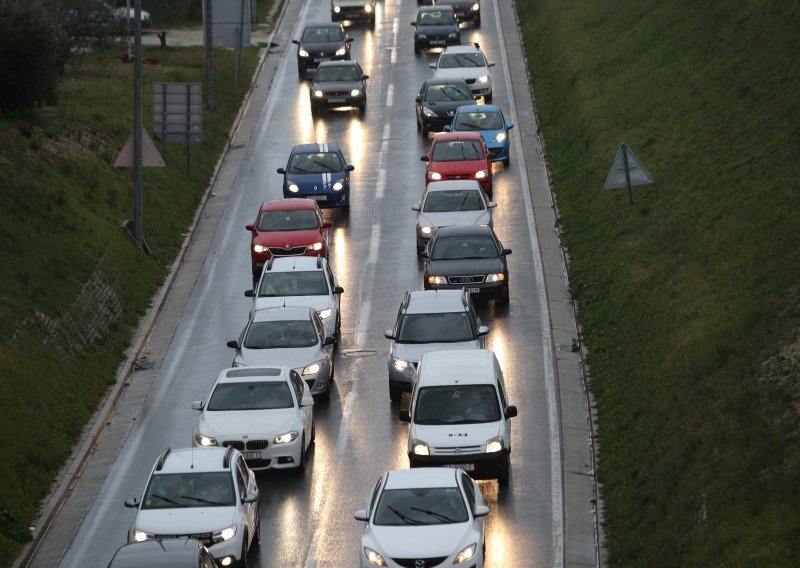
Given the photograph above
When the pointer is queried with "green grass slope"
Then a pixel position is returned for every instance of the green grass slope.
(689, 300)
(61, 207)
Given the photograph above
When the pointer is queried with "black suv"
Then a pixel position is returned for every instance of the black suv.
(321, 42)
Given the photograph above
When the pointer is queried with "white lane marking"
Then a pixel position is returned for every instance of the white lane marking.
(374, 243)
(390, 95)
(311, 559)
(556, 488)
(347, 412)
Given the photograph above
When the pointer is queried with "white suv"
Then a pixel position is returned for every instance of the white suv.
(208, 494)
(459, 414)
(300, 281)
(466, 62)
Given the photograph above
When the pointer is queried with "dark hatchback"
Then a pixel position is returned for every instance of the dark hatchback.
(321, 42)
(469, 257)
(437, 101)
(435, 26)
(339, 84)
(466, 10)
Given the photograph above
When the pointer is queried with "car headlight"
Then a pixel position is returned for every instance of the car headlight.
(224, 534)
(475, 7)
(203, 440)
(355, 93)
(141, 536)
(434, 175)
(437, 280)
(293, 188)
(402, 365)
(286, 438)
(500, 137)
(338, 186)
(316, 246)
(313, 368)
(483, 79)
(419, 448)
(452, 35)
(374, 558)
(337, 9)
(428, 112)
(481, 174)
(341, 51)
(318, 93)
(302, 52)
(466, 554)
(495, 277)
(326, 313)
(259, 248)
(367, 8)
(494, 445)
(426, 230)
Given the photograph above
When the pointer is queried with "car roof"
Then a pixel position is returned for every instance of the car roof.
(437, 8)
(166, 553)
(310, 148)
(466, 48)
(463, 230)
(317, 25)
(478, 108)
(419, 477)
(296, 264)
(460, 135)
(251, 374)
(200, 459)
(458, 366)
(282, 313)
(338, 63)
(452, 184)
(288, 204)
(435, 301)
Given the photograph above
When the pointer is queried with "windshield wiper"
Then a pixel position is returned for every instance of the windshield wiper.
(439, 516)
(470, 125)
(431, 421)
(201, 500)
(168, 500)
(408, 520)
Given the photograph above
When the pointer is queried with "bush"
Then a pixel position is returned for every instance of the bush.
(32, 55)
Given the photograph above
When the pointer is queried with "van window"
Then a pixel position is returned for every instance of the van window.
(456, 404)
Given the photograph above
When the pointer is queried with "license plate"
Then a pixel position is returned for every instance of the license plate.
(336, 100)
(320, 59)
(252, 455)
(318, 197)
(464, 466)
(437, 42)
(473, 290)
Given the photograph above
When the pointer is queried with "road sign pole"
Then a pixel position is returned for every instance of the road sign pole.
(209, 58)
(627, 173)
(137, 124)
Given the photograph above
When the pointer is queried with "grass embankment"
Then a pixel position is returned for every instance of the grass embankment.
(689, 300)
(61, 207)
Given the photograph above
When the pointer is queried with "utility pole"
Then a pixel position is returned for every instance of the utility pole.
(209, 57)
(137, 125)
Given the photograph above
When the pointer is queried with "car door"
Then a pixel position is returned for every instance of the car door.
(300, 389)
(247, 484)
(335, 298)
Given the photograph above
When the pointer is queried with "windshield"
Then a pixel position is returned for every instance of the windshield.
(422, 506)
(478, 121)
(457, 151)
(337, 73)
(457, 404)
(456, 200)
(455, 60)
(436, 18)
(439, 93)
(467, 247)
(308, 283)
(315, 163)
(202, 489)
(298, 220)
(251, 396)
(280, 334)
(435, 328)
(328, 34)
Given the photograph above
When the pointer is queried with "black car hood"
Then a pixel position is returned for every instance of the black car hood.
(443, 107)
(465, 267)
(322, 49)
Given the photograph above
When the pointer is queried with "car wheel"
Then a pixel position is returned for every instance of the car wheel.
(416, 49)
(504, 297)
(302, 466)
(257, 536)
(419, 248)
(488, 98)
(425, 131)
(395, 395)
(313, 433)
(362, 109)
(478, 22)
(505, 475)
(243, 559)
(507, 161)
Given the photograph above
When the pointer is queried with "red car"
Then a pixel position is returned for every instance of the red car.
(459, 155)
(287, 227)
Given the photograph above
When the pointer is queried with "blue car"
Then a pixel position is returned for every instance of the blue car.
(490, 122)
(318, 172)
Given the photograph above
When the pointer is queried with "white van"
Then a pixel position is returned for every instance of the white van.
(459, 414)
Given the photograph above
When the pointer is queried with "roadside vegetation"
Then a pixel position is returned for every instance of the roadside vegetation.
(689, 300)
(62, 204)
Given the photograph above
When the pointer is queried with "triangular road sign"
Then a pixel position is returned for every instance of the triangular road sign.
(150, 155)
(637, 173)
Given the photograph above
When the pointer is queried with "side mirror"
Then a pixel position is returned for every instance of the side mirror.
(432, 65)
(447, 128)
(294, 41)
(491, 205)
(350, 168)
(509, 126)
(483, 330)
(511, 411)
(249, 227)
(327, 224)
(404, 416)
(364, 77)
(361, 515)
(197, 405)
(424, 159)
(132, 503)
(338, 290)
(418, 99)
(281, 170)
(490, 64)
(424, 254)
(233, 344)
(330, 340)
(250, 498)
(415, 208)
(414, 24)
(307, 399)
(249, 293)
(388, 334)
(349, 40)
(480, 511)
(506, 251)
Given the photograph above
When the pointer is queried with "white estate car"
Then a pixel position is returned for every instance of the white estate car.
(292, 336)
(300, 281)
(264, 412)
(459, 414)
(423, 517)
(466, 62)
(208, 494)
(452, 202)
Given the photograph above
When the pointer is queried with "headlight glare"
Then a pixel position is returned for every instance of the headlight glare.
(437, 280)
(224, 534)
(286, 438)
(494, 445)
(428, 112)
(481, 174)
(316, 246)
(483, 79)
(326, 313)
(495, 277)
(367, 8)
(293, 187)
(434, 176)
(475, 7)
(338, 186)
(302, 52)
(419, 448)
(500, 137)
(401, 364)
(426, 230)
(313, 368)
(318, 93)
(141, 536)
(355, 93)
(373, 557)
(203, 440)
(259, 248)
(341, 51)
(466, 554)
(337, 9)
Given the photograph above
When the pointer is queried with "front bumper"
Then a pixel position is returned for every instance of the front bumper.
(352, 13)
(426, 42)
(326, 199)
(478, 466)
(335, 100)
(498, 151)
(482, 290)
(401, 380)
(318, 384)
